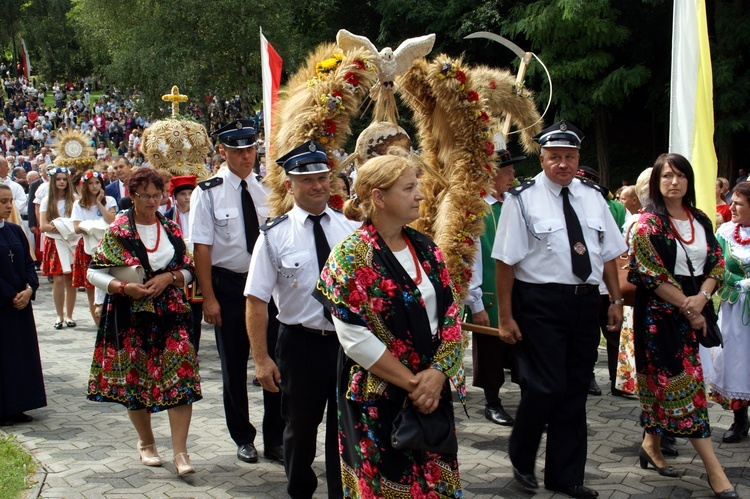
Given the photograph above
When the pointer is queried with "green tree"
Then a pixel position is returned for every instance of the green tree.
(10, 13)
(203, 47)
(53, 47)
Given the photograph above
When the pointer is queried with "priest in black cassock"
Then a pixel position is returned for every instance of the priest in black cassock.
(21, 381)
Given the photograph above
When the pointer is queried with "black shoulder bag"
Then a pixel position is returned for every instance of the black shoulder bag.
(713, 337)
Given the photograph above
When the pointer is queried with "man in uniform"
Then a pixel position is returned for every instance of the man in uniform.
(225, 213)
(286, 264)
(492, 356)
(556, 239)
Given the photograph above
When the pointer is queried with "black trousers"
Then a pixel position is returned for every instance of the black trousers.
(273, 423)
(307, 363)
(197, 311)
(234, 352)
(555, 358)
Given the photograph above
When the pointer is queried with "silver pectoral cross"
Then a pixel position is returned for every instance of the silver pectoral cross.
(11, 255)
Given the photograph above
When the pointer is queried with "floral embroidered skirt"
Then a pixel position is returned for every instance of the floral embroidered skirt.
(80, 265)
(51, 260)
(670, 375)
(148, 362)
(371, 467)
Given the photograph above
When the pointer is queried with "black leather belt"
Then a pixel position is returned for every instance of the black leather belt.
(571, 289)
(307, 330)
(229, 272)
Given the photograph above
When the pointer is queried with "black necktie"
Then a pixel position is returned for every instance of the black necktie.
(321, 248)
(250, 217)
(578, 251)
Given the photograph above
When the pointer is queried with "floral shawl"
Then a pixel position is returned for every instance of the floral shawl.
(122, 246)
(654, 252)
(364, 284)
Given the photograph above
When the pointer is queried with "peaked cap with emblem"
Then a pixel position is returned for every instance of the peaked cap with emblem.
(306, 159)
(561, 134)
(238, 134)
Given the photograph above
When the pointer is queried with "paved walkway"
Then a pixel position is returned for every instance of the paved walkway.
(87, 449)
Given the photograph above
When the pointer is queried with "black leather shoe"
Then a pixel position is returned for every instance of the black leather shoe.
(496, 414)
(247, 453)
(668, 449)
(527, 480)
(21, 418)
(594, 388)
(578, 491)
(274, 453)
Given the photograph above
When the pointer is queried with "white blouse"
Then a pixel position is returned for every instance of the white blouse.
(365, 348)
(697, 251)
(158, 260)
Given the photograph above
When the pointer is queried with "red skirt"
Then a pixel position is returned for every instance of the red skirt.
(51, 261)
(80, 265)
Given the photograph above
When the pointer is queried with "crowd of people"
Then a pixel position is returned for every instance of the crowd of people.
(368, 304)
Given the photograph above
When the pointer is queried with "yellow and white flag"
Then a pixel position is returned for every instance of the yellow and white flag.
(691, 113)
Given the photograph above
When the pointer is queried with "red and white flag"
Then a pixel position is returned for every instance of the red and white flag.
(25, 59)
(271, 70)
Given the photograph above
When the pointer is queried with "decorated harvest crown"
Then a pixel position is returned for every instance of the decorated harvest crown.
(74, 150)
(177, 145)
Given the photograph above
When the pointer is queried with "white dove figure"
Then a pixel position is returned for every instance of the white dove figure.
(390, 63)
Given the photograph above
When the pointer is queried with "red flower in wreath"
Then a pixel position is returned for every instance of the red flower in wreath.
(336, 202)
(472, 96)
(489, 148)
(359, 64)
(484, 116)
(461, 76)
(337, 93)
(351, 78)
(329, 126)
(493, 86)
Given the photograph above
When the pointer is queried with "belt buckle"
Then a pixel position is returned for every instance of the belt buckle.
(580, 289)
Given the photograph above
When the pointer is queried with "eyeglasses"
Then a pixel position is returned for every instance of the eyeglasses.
(148, 197)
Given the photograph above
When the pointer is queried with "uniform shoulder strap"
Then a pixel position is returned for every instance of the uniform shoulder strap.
(520, 188)
(211, 183)
(274, 222)
(602, 190)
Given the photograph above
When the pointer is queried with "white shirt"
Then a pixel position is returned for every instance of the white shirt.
(358, 342)
(697, 251)
(547, 259)
(20, 198)
(158, 259)
(81, 214)
(292, 248)
(216, 219)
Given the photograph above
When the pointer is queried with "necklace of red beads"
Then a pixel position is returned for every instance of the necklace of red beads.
(692, 228)
(737, 236)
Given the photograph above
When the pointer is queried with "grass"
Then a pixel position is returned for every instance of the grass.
(49, 97)
(16, 467)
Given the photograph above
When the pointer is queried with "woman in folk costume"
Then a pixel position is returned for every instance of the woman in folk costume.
(21, 380)
(93, 206)
(181, 188)
(54, 212)
(397, 317)
(143, 357)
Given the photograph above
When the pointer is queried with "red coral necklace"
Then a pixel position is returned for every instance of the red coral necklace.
(692, 228)
(418, 279)
(158, 239)
(737, 235)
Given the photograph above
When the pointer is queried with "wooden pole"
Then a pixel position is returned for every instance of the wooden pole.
(491, 331)
(525, 60)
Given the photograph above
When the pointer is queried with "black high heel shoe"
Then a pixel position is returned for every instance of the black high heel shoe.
(645, 460)
(724, 494)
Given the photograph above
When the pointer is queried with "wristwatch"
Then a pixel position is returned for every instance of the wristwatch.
(706, 294)
(174, 277)
(620, 301)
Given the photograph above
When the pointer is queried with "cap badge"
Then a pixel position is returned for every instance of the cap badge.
(311, 147)
(579, 248)
(563, 126)
(238, 125)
